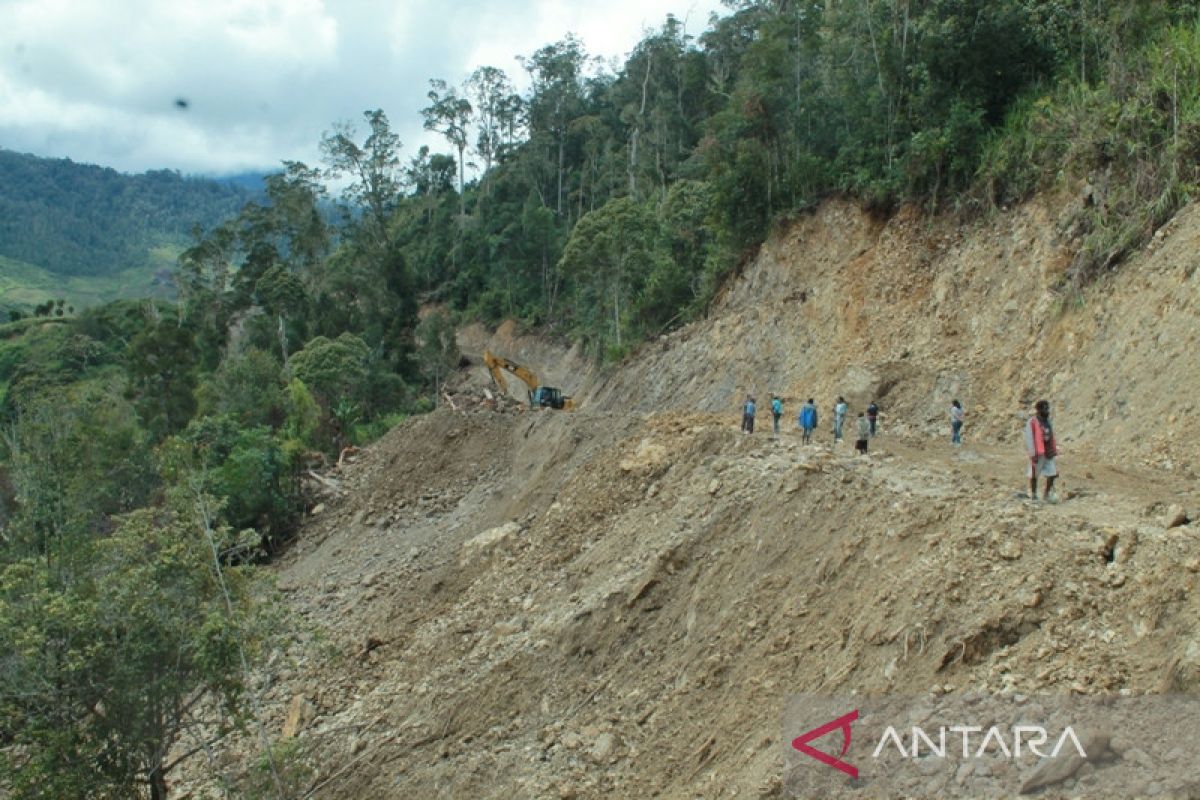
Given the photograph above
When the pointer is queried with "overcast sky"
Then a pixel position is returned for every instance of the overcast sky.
(97, 80)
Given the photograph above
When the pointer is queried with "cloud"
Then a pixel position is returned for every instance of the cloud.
(97, 81)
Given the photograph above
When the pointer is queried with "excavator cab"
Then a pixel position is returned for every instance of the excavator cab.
(549, 397)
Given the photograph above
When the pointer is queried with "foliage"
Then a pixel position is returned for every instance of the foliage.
(248, 388)
(106, 666)
(161, 367)
(244, 467)
(1133, 137)
(77, 219)
(438, 348)
(75, 459)
(334, 369)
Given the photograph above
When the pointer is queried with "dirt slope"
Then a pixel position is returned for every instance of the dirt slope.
(914, 311)
(616, 602)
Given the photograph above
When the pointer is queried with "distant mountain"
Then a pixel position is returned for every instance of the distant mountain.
(82, 221)
(251, 181)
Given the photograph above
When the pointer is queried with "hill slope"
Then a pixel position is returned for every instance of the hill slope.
(617, 602)
(66, 221)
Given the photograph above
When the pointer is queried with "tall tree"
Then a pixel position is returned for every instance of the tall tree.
(376, 178)
(556, 72)
(450, 115)
(489, 91)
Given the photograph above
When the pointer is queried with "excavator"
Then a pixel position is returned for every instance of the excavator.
(539, 396)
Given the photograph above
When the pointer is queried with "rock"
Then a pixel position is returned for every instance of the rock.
(1010, 549)
(513, 626)
(648, 457)
(1056, 770)
(317, 509)
(1175, 517)
(603, 748)
(487, 541)
(714, 486)
(300, 714)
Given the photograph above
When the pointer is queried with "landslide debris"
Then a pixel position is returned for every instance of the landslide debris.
(616, 602)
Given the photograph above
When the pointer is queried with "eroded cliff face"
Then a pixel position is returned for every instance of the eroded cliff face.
(914, 312)
(616, 602)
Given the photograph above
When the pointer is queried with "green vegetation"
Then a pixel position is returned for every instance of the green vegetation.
(152, 449)
(23, 286)
(92, 235)
(613, 205)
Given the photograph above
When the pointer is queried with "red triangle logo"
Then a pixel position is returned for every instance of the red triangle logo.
(842, 723)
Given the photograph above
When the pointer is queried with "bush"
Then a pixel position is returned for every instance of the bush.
(245, 469)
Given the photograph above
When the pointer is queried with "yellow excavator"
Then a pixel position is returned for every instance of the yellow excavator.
(539, 396)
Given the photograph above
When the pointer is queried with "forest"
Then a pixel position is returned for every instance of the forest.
(152, 449)
(78, 219)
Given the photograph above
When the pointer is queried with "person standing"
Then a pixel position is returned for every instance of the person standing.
(748, 415)
(872, 416)
(1042, 449)
(864, 433)
(808, 420)
(839, 417)
(957, 415)
(776, 412)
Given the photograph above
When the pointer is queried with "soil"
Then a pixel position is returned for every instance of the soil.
(619, 601)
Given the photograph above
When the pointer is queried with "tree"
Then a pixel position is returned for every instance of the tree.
(247, 387)
(556, 72)
(373, 169)
(76, 458)
(334, 369)
(490, 93)
(437, 351)
(105, 668)
(450, 115)
(160, 364)
(281, 293)
(243, 469)
(607, 259)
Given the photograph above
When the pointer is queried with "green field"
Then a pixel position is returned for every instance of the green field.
(24, 285)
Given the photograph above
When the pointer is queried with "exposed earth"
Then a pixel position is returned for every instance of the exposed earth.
(618, 601)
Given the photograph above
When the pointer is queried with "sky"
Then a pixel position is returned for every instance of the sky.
(259, 81)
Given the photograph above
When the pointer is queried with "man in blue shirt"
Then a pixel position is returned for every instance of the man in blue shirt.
(748, 415)
(808, 420)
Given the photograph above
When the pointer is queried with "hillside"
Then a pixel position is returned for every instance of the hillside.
(617, 602)
(91, 234)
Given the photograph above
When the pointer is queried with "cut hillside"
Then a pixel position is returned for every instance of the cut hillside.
(913, 312)
(617, 602)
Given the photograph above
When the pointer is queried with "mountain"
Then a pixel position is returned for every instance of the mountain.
(68, 224)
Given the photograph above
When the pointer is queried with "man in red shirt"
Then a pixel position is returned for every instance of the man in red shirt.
(1041, 448)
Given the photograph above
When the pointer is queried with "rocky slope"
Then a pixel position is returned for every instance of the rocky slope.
(617, 602)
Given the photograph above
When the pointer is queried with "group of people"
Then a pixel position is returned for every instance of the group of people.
(807, 419)
(1040, 444)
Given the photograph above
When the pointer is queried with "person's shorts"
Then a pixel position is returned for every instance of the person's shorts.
(1045, 468)
(861, 445)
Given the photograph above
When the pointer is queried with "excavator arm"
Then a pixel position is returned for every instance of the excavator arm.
(497, 364)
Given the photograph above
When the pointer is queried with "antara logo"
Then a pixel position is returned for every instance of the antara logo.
(842, 723)
(1031, 736)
